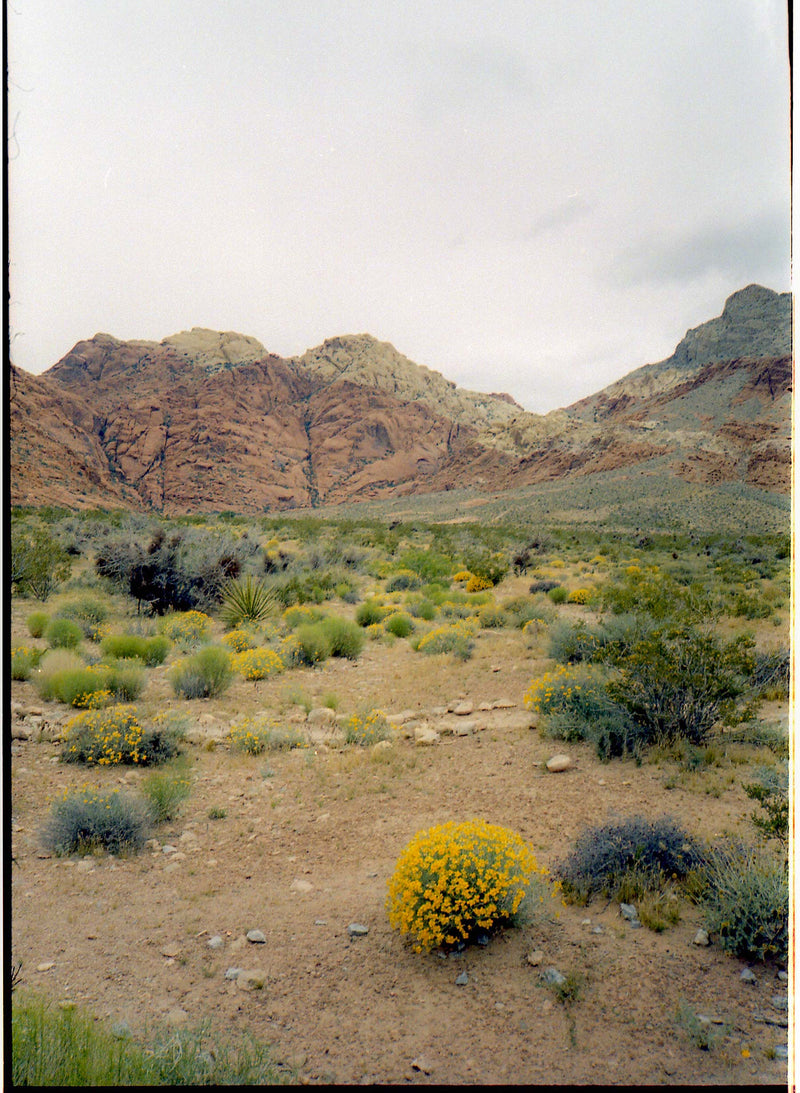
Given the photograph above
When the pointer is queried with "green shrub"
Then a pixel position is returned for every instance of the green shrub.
(151, 651)
(771, 790)
(83, 685)
(346, 638)
(771, 674)
(247, 600)
(166, 791)
(62, 634)
(399, 624)
(124, 646)
(38, 562)
(403, 579)
(604, 857)
(367, 727)
(68, 1047)
(491, 617)
(575, 705)
(203, 674)
(83, 820)
(314, 643)
(558, 594)
(456, 883)
(678, 682)
(521, 609)
(88, 611)
(422, 609)
(746, 902)
(37, 621)
(370, 611)
(24, 659)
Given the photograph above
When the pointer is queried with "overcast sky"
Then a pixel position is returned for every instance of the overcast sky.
(531, 196)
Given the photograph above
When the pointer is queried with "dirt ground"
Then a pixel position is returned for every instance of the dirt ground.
(307, 844)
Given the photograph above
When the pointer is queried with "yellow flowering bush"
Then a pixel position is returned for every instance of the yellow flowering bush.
(116, 735)
(104, 736)
(462, 575)
(456, 881)
(290, 651)
(579, 595)
(478, 584)
(367, 727)
(187, 628)
(257, 663)
(238, 640)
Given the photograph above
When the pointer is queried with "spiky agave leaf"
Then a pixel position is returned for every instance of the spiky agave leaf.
(247, 600)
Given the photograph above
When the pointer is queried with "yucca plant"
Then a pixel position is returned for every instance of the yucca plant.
(247, 600)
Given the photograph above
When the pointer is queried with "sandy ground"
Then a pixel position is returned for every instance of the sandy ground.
(306, 847)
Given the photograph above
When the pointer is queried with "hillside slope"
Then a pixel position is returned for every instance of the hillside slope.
(210, 421)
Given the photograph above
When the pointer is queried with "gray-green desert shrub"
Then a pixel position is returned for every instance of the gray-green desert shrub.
(604, 857)
(166, 790)
(399, 624)
(203, 674)
(346, 637)
(87, 819)
(746, 902)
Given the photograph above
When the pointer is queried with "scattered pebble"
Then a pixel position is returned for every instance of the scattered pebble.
(747, 976)
(462, 979)
(215, 942)
(701, 938)
(554, 977)
(46, 966)
(256, 937)
(355, 929)
(232, 973)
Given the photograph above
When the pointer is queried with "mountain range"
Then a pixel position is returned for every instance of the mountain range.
(206, 421)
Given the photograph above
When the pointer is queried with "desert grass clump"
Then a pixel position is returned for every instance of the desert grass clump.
(187, 629)
(628, 858)
(88, 819)
(257, 663)
(255, 735)
(203, 674)
(24, 660)
(37, 622)
(62, 633)
(69, 1047)
(247, 599)
(746, 901)
(367, 727)
(457, 882)
(492, 617)
(166, 790)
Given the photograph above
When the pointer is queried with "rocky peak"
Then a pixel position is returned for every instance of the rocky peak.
(755, 322)
(213, 350)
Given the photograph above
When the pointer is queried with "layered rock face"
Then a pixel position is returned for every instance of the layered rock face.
(210, 421)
